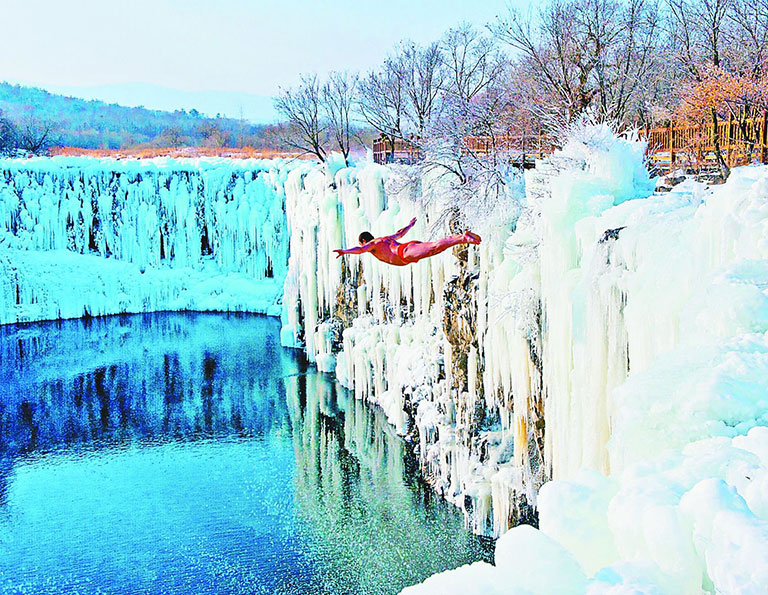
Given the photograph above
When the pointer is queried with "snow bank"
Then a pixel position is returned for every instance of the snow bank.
(654, 330)
(527, 561)
(103, 236)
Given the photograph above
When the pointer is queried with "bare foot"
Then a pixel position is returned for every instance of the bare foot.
(472, 238)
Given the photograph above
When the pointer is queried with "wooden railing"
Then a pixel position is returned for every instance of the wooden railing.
(388, 150)
(693, 145)
(521, 148)
(676, 145)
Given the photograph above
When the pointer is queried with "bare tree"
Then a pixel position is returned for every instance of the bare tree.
(700, 30)
(466, 143)
(339, 94)
(555, 54)
(750, 34)
(381, 98)
(400, 99)
(214, 136)
(36, 136)
(172, 137)
(7, 136)
(586, 53)
(424, 76)
(302, 107)
(472, 62)
(474, 99)
(626, 67)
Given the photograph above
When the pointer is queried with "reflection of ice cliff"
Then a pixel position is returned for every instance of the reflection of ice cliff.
(149, 377)
(355, 479)
(113, 404)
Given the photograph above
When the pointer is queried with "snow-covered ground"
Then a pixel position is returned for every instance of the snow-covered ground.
(102, 236)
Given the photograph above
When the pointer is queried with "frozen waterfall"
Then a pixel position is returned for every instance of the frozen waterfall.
(82, 236)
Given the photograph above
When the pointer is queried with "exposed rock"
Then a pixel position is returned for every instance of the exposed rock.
(610, 234)
(674, 179)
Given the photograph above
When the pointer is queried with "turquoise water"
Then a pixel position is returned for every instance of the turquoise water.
(191, 453)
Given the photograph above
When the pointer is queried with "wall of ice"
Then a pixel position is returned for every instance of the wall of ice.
(444, 346)
(102, 236)
(654, 328)
(606, 337)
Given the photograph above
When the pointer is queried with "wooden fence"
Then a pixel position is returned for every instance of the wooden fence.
(676, 145)
(522, 149)
(741, 142)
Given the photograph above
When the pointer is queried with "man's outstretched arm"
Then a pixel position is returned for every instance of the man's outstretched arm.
(399, 234)
(355, 250)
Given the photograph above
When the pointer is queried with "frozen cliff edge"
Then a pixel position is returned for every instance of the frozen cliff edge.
(467, 352)
(83, 236)
(655, 373)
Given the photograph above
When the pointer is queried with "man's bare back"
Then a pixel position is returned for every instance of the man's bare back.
(388, 249)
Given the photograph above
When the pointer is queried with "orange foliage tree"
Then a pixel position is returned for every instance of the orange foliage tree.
(718, 95)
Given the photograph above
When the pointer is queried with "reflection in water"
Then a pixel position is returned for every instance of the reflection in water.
(357, 486)
(190, 453)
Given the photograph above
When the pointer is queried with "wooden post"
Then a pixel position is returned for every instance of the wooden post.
(541, 145)
(671, 144)
(764, 150)
(728, 152)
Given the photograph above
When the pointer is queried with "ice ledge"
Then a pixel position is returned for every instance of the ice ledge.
(61, 284)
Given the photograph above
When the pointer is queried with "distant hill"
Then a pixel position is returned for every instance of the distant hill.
(257, 109)
(95, 124)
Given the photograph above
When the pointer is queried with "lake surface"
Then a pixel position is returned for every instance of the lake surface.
(191, 453)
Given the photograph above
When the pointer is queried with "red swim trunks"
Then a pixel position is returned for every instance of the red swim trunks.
(401, 248)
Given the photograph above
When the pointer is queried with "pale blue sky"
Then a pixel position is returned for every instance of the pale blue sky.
(225, 45)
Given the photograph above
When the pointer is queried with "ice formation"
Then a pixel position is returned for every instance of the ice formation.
(655, 374)
(633, 324)
(404, 338)
(101, 236)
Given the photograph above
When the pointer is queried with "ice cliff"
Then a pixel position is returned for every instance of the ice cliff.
(603, 336)
(469, 352)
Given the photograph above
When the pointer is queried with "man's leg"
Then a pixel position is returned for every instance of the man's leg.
(417, 251)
